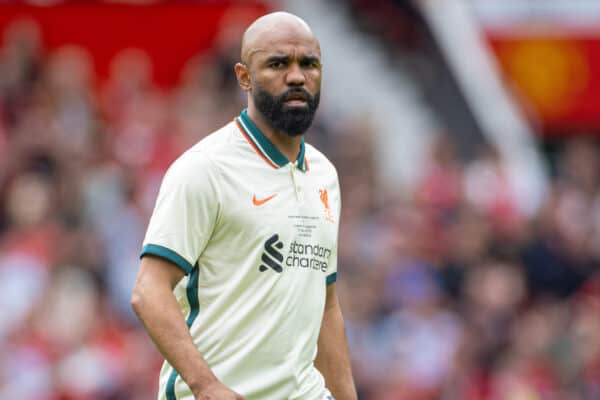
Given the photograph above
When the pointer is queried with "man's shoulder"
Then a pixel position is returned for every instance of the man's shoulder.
(200, 157)
(316, 159)
(215, 141)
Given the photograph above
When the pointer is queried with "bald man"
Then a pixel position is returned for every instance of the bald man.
(237, 278)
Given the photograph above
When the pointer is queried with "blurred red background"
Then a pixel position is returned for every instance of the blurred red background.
(106, 29)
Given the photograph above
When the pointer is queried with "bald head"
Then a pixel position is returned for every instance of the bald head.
(273, 29)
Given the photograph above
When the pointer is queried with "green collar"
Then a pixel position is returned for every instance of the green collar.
(264, 147)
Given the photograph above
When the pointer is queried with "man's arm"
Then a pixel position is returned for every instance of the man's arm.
(333, 359)
(155, 305)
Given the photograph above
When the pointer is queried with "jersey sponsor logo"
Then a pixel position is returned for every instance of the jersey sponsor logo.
(300, 255)
(312, 256)
(260, 202)
(272, 247)
(323, 195)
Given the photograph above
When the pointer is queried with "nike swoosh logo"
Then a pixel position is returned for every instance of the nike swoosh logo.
(260, 202)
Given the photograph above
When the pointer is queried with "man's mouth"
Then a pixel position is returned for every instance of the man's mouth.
(296, 99)
(295, 102)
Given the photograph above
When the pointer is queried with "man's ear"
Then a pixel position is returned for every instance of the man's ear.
(243, 76)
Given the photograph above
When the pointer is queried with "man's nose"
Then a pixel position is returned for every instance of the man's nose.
(295, 75)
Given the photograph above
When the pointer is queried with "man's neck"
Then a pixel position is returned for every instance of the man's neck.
(288, 145)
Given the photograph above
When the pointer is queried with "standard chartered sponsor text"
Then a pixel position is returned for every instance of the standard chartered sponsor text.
(311, 256)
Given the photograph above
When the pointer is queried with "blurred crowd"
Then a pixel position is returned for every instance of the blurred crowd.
(450, 290)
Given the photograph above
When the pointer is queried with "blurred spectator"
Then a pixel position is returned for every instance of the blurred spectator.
(488, 189)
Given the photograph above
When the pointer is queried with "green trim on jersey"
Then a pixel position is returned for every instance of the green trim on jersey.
(264, 145)
(167, 254)
(331, 278)
(301, 162)
(192, 296)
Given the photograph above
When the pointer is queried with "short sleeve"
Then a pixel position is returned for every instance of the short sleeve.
(333, 259)
(185, 213)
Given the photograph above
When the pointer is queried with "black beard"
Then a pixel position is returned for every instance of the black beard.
(293, 121)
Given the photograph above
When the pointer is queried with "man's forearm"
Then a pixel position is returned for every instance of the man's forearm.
(158, 310)
(333, 359)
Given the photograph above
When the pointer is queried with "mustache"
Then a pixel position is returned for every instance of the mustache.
(296, 93)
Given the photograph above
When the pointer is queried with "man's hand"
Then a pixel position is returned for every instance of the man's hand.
(217, 391)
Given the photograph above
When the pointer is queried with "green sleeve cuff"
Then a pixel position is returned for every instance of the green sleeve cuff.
(331, 278)
(167, 254)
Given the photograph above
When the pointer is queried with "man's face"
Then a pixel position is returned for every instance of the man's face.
(286, 83)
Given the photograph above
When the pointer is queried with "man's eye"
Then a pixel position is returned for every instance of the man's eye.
(276, 64)
(311, 64)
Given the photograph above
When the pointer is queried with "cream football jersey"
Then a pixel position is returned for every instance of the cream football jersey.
(257, 238)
